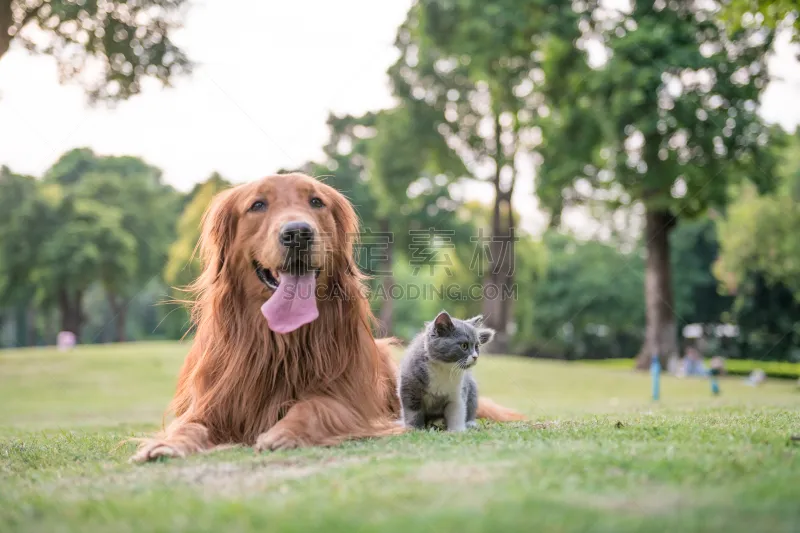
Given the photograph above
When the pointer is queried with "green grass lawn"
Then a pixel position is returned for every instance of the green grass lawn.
(598, 456)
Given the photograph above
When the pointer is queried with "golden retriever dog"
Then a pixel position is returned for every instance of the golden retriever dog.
(283, 355)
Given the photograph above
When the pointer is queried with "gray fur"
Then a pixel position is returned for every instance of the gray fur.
(435, 378)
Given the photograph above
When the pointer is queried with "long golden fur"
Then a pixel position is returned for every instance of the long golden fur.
(241, 383)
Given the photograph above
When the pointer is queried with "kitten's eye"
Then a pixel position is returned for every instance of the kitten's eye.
(465, 346)
(258, 205)
(316, 203)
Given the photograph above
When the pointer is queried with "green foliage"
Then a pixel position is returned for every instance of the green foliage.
(531, 264)
(733, 367)
(182, 264)
(768, 317)
(388, 165)
(471, 70)
(415, 306)
(773, 369)
(387, 168)
(134, 190)
(772, 13)
(759, 261)
(759, 233)
(19, 234)
(88, 244)
(90, 220)
(670, 120)
(121, 43)
(698, 298)
(587, 304)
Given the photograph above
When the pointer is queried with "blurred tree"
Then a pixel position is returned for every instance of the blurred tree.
(344, 166)
(125, 42)
(758, 232)
(670, 121)
(698, 299)
(768, 317)
(182, 265)
(85, 241)
(139, 217)
(404, 165)
(16, 251)
(345, 169)
(388, 166)
(572, 310)
(148, 214)
(187, 198)
(531, 263)
(772, 13)
(19, 235)
(471, 70)
(758, 261)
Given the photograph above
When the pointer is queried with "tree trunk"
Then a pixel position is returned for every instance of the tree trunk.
(5, 24)
(120, 311)
(20, 326)
(30, 319)
(660, 332)
(71, 308)
(51, 327)
(387, 281)
(500, 276)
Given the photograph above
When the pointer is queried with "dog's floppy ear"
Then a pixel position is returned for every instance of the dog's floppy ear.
(218, 231)
(347, 228)
(485, 335)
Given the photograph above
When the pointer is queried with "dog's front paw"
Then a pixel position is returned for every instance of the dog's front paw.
(277, 438)
(154, 450)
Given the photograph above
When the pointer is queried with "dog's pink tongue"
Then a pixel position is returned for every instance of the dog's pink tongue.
(293, 304)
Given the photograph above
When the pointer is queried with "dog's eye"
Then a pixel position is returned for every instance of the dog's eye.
(465, 346)
(258, 205)
(316, 202)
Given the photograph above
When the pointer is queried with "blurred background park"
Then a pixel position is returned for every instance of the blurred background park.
(619, 179)
(635, 166)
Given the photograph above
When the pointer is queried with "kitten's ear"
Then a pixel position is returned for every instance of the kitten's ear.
(476, 321)
(443, 324)
(485, 335)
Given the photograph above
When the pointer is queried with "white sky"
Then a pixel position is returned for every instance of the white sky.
(268, 74)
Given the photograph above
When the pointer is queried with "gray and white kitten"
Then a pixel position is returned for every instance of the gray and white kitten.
(435, 378)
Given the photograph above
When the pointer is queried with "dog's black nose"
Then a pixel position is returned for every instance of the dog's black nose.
(296, 234)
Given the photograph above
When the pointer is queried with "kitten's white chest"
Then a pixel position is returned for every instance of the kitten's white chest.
(445, 380)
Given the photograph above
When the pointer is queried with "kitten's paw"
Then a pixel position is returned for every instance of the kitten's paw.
(472, 424)
(457, 429)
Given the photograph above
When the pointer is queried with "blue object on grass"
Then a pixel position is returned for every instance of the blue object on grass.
(695, 368)
(655, 371)
(713, 373)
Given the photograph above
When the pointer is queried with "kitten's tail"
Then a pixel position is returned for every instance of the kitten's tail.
(493, 411)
